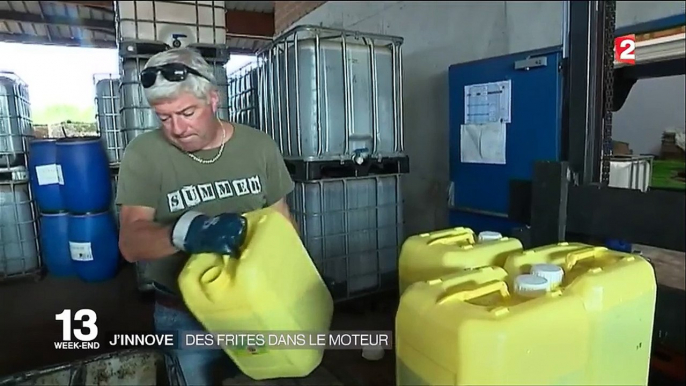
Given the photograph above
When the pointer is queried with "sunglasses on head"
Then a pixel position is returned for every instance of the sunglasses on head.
(173, 72)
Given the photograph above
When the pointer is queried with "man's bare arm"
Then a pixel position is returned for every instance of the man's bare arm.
(140, 238)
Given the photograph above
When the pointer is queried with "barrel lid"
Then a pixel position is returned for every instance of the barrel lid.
(77, 140)
(530, 283)
(489, 236)
(550, 272)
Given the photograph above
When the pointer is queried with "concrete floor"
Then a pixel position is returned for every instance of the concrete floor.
(28, 327)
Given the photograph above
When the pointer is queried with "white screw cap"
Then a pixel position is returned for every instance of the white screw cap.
(489, 236)
(550, 272)
(372, 353)
(531, 285)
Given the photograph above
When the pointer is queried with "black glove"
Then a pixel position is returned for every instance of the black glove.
(195, 232)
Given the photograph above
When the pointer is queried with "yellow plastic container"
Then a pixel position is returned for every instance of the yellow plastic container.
(430, 255)
(273, 287)
(467, 328)
(619, 291)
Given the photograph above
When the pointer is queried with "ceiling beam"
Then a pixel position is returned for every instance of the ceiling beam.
(250, 23)
(107, 5)
(100, 25)
(241, 51)
(64, 42)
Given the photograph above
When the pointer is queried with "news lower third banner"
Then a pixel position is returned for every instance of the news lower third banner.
(251, 342)
(80, 331)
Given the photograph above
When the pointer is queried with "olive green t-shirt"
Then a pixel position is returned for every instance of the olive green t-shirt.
(250, 175)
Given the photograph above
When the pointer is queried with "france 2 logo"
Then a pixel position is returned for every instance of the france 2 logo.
(625, 49)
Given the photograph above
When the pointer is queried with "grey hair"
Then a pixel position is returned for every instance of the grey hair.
(197, 86)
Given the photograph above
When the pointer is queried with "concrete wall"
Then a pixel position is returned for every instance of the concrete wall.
(438, 34)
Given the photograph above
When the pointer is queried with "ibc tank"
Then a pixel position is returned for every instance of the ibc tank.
(18, 244)
(94, 246)
(137, 116)
(222, 80)
(352, 229)
(115, 207)
(329, 93)
(109, 124)
(243, 91)
(15, 119)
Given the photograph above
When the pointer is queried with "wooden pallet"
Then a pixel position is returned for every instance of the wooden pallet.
(660, 34)
(669, 265)
(320, 376)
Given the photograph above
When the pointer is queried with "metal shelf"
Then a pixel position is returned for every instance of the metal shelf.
(659, 50)
(567, 198)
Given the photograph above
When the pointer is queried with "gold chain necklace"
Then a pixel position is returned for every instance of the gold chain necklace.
(216, 157)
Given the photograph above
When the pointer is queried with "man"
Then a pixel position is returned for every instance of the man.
(182, 189)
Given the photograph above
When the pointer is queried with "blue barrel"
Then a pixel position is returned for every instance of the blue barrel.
(94, 246)
(45, 175)
(619, 245)
(85, 168)
(54, 243)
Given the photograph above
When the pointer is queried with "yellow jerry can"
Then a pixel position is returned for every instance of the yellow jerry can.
(272, 289)
(618, 291)
(430, 255)
(472, 328)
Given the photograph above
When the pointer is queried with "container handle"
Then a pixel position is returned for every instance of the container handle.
(587, 253)
(464, 295)
(452, 236)
(211, 270)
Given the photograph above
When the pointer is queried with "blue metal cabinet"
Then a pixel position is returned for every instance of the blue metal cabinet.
(480, 192)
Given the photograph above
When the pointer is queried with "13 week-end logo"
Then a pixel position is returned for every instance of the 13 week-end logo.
(79, 330)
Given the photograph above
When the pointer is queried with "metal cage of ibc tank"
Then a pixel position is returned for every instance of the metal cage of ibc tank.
(353, 229)
(332, 94)
(20, 254)
(115, 208)
(107, 116)
(15, 120)
(130, 367)
(631, 171)
(136, 114)
(187, 22)
(243, 96)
